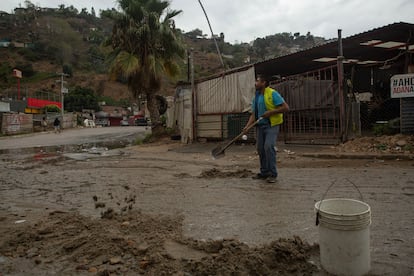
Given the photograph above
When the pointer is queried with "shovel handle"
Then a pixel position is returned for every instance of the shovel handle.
(241, 134)
(252, 125)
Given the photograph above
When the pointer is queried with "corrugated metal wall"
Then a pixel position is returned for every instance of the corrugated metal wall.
(407, 115)
(230, 93)
(210, 126)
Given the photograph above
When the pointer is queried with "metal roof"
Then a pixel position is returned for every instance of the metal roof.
(372, 47)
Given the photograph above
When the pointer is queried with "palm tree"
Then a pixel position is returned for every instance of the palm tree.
(145, 48)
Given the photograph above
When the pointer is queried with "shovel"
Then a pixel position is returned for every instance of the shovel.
(218, 151)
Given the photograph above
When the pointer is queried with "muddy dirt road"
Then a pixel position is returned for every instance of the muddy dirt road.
(165, 208)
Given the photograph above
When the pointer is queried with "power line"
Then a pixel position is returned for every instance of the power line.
(212, 35)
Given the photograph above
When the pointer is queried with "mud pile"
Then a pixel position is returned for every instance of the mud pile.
(216, 173)
(381, 144)
(231, 257)
(71, 243)
(133, 243)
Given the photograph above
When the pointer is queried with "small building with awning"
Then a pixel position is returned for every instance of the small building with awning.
(35, 106)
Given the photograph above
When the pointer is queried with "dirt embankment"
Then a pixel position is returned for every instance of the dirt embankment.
(379, 144)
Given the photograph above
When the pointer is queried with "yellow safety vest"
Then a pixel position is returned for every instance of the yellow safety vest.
(275, 119)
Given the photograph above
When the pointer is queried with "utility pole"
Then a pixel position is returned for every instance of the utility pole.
(63, 90)
(342, 105)
(194, 95)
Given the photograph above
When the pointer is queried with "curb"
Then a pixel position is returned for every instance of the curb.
(359, 156)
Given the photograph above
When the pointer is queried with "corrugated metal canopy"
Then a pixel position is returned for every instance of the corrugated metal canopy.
(372, 47)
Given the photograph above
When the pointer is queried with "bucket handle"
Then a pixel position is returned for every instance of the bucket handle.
(326, 192)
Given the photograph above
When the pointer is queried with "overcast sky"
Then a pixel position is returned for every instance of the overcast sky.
(245, 20)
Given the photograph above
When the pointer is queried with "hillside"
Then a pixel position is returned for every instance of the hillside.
(43, 41)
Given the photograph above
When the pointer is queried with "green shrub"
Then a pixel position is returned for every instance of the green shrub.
(383, 129)
(387, 127)
(29, 54)
(51, 108)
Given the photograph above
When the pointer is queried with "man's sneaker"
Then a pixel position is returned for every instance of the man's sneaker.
(260, 176)
(271, 179)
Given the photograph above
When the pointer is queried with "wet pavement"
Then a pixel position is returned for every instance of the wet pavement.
(95, 141)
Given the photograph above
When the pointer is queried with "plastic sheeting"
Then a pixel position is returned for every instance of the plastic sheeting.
(230, 93)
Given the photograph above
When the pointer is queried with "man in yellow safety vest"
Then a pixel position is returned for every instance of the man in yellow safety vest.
(269, 105)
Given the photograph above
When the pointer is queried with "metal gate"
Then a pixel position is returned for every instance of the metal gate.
(316, 104)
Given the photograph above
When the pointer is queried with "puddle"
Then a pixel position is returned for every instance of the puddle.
(75, 152)
(41, 156)
(93, 153)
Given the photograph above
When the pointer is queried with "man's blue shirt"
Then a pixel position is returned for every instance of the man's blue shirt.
(261, 106)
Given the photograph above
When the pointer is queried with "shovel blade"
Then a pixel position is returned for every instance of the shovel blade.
(217, 152)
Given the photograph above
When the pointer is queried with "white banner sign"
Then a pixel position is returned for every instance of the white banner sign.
(402, 86)
(4, 107)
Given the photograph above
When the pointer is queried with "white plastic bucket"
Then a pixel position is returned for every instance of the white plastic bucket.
(344, 236)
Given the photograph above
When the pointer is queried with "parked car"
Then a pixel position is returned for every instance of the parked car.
(141, 121)
(102, 122)
(124, 123)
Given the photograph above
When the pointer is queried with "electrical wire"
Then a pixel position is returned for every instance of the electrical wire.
(212, 35)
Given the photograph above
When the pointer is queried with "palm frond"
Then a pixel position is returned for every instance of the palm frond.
(126, 64)
(145, 44)
(170, 15)
(171, 68)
